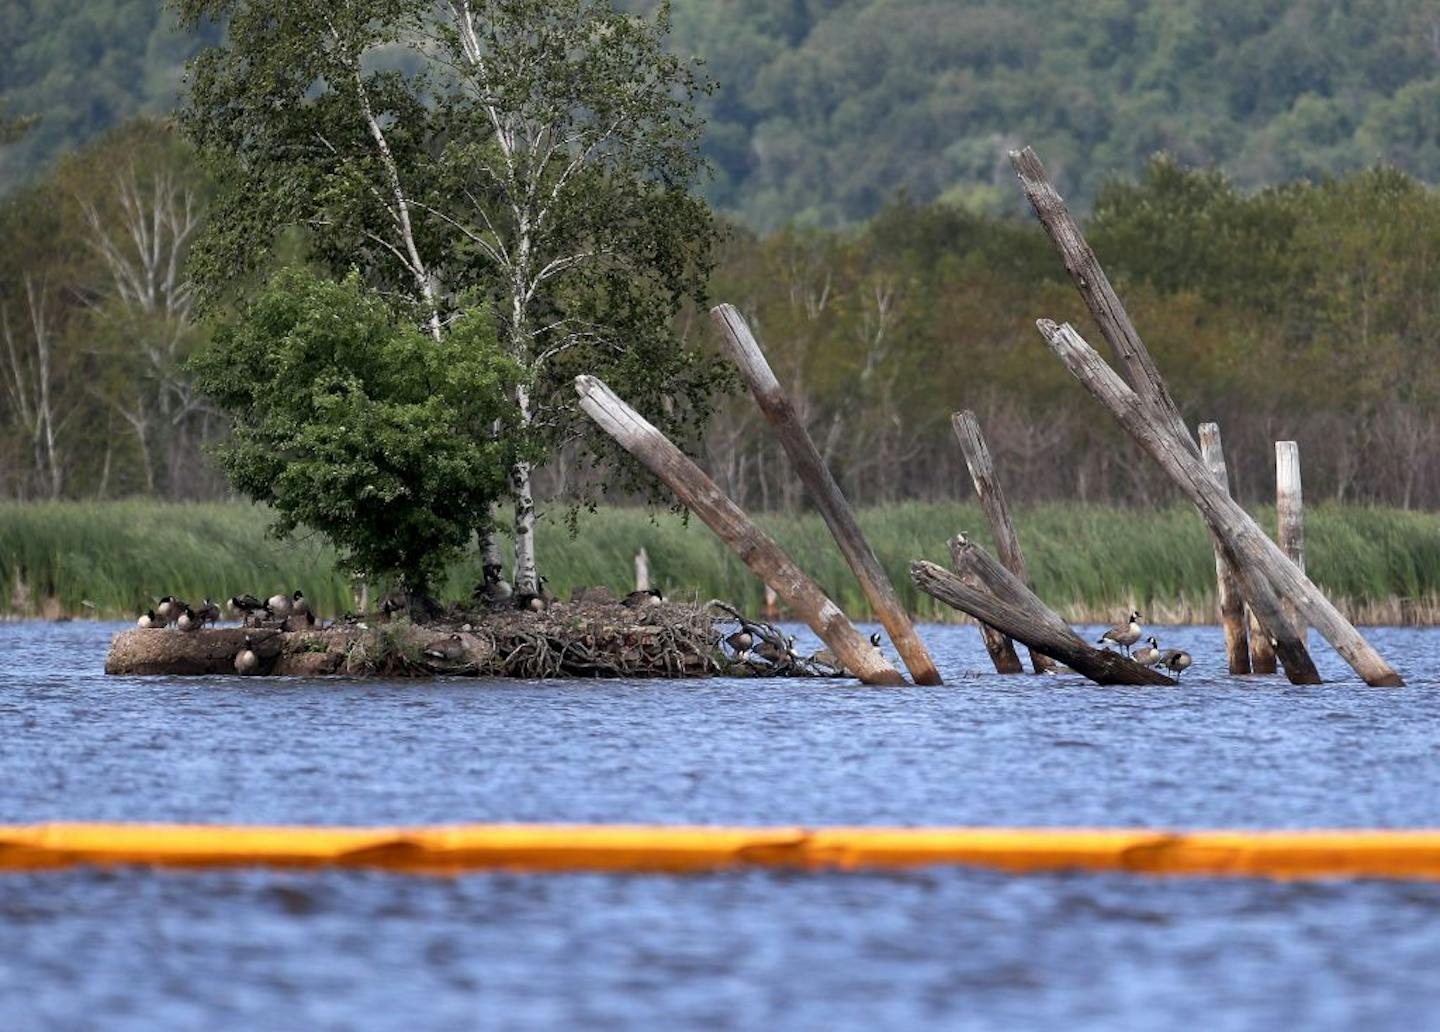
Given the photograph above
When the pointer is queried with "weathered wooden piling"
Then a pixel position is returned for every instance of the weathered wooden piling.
(1099, 665)
(1248, 546)
(997, 510)
(745, 351)
(1290, 513)
(1227, 585)
(998, 644)
(704, 498)
(1149, 387)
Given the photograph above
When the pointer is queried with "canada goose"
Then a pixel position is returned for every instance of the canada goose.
(546, 595)
(298, 621)
(188, 620)
(1177, 661)
(148, 619)
(279, 606)
(648, 597)
(169, 609)
(741, 641)
(209, 612)
(1149, 655)
(390, 605)
(495, 588)
(246, 662)
(875, 640)
(1124, 635)
(450, 650)
(247, 606)
(299, 605)
(770, 651)
(530, 602)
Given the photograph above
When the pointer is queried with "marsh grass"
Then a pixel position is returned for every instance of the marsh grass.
(1090, 562)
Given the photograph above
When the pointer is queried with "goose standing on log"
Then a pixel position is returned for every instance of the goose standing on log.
(1177, 661)
(148, 619)
(1125, 634)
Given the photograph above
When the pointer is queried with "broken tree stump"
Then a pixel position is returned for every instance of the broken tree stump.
(745, 351)
(758, 551)
(1250, 548)
(997, 511)
(1099, 665)
(1230, 602)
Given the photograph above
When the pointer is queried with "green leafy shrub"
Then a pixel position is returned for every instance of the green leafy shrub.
(350, 421)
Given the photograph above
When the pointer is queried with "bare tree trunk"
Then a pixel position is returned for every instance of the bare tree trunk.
(525, 575)
(1251, 550)
(829, 499)
(1227, 585)
(697, 491)
(992, 500)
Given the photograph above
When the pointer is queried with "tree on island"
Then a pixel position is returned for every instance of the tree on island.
(535, 155)
(351, 422)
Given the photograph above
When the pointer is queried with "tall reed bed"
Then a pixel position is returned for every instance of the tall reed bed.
(1090, 562)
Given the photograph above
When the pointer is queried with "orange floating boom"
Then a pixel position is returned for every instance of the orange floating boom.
(1337, 853)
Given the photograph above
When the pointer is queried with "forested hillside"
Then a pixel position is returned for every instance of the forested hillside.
(827, 108)
(82, 67)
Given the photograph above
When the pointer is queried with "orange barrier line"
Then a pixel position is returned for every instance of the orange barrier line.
(519, 847)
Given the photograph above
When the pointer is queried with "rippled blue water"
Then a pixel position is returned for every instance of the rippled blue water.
(941, 948)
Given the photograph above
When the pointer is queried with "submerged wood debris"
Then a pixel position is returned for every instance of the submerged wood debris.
(583, 639)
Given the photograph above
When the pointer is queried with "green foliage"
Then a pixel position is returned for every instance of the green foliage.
(356, 425)
(83, 67)
(825, 109)
(1092, 562)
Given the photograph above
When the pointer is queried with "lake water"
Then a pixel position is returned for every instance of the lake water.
(942, 947)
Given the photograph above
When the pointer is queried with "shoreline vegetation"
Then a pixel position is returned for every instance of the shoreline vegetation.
(109, 560)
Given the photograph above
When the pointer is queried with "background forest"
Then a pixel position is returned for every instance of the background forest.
(1280, 260)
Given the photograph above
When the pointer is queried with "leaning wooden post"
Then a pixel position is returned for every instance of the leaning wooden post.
(1251, 550)
(1143, 376)
(1099, 665)
(1099, 296)
(997, 511)
(704, 498)
(1227, 585)
(826, 493)
(1290, 513)
(997, 643)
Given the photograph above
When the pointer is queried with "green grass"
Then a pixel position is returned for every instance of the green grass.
(1088, 561)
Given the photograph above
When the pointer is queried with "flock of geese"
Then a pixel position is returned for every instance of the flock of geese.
(1177, 661)
(293, 613)
(289, 612)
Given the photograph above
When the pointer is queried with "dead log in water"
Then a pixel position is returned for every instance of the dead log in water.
(997, 643)
(1149, 387)
(754, 547)
(1230, 601)
(1252, 550)
(824, 491)
(1099, 665)
(997, 510)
